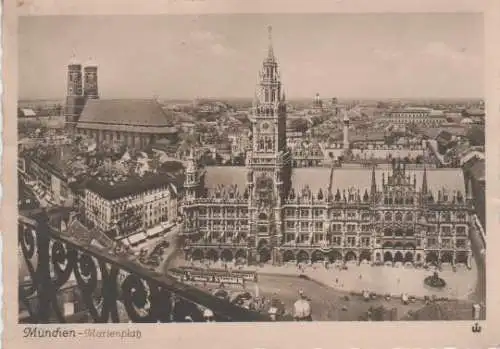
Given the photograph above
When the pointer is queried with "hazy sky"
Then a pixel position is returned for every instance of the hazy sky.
(343, 55)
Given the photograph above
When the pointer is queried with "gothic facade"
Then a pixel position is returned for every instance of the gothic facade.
(269, 212)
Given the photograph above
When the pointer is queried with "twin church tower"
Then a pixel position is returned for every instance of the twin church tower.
(82, 85)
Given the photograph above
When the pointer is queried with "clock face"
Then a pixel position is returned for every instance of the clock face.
(265, 126)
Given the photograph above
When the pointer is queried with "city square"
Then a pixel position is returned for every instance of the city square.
(281, 205)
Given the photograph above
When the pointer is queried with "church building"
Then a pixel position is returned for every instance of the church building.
(134, 122)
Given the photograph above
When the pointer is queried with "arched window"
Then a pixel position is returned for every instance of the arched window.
(261, 144)
(388, 216)
(399, 217)
(409, 217)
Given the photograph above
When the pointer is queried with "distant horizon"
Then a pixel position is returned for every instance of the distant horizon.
(350, 99)
(382, 55)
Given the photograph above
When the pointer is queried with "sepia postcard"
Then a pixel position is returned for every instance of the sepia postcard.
(312, 172)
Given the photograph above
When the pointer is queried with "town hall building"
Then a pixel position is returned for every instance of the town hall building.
(271, 212)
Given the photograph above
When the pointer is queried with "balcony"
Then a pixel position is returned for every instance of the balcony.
(110, 283)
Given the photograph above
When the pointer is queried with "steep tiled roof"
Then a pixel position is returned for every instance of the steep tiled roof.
(136, 112)
(343, 178)
(431, 133)
(127, 128)
(367, 137)
(314, 177)
(225, 175)
(133, 185)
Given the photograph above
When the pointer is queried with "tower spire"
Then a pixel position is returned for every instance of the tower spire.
(73, 59)
(270, 50)
(373, 189)
(469, 189)
(424, 182)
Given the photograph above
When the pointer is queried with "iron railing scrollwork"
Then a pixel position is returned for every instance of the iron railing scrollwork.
(112, 287)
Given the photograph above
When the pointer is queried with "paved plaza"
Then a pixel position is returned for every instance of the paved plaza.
(460, 284)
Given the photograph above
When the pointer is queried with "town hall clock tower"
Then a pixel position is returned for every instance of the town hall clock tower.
(269, 165)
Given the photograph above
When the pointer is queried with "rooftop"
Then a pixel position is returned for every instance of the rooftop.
(360, 178)
(369, 136)
(411, 110)
(130, 112)
(225, 175)
(343, 178)
(56, 159)
(26, 112)
(475, 112)
(112, 188)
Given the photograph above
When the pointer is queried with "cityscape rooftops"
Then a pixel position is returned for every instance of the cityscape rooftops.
(474, 112)
(370, 136)
(411, 110)
(57, 159)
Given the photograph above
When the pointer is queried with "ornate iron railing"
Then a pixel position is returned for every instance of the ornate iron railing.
(112, 285)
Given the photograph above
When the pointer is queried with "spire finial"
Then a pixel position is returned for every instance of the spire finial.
(373, 189)
(424, 181)
(73, 59)
(270, 52)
